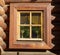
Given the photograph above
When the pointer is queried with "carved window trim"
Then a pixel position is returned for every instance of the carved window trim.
(19, 1)
(46, 43)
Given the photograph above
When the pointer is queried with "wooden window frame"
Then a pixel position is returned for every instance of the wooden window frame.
(29, 25)
(46, 43)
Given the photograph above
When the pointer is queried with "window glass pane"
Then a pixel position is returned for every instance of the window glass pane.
(36, 18)
(36, 32)
(24, 32)
(30, 25)
(24, 18)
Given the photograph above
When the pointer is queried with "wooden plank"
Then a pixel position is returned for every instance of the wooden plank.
(36, 53)
(9, 53)
(28, 53)
(9, 1)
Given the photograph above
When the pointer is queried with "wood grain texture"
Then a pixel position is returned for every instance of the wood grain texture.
(46, 44)
(20, 1)
(55, 30)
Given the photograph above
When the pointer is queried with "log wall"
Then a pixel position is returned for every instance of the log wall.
(55, 30)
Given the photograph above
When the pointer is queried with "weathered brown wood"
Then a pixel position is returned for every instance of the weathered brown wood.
(56, 10)
(19, 1)
(46, 44)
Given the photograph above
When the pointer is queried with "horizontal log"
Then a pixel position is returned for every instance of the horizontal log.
(27, 53)
(36, 53)
(9, 53)
(9, 1)
(1, 11)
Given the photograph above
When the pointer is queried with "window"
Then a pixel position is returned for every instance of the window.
(30, 26)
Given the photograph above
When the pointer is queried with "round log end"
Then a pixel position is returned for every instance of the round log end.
(2, 43)
(4, 16)
(2, 11)
(5, 8)
(1, 19)
(3, 25)
(2, 3)
(2, 33)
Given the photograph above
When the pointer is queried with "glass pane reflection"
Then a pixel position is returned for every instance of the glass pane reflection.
(36, 18)
(24, 32)
(25, 18)
(36, 32)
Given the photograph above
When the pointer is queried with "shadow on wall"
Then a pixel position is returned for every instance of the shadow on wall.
(56, 29)
(33, 0)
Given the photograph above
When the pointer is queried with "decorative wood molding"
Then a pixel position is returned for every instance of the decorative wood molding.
(2, 28)
(47, 42)
(19, 1)
(52, 18)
